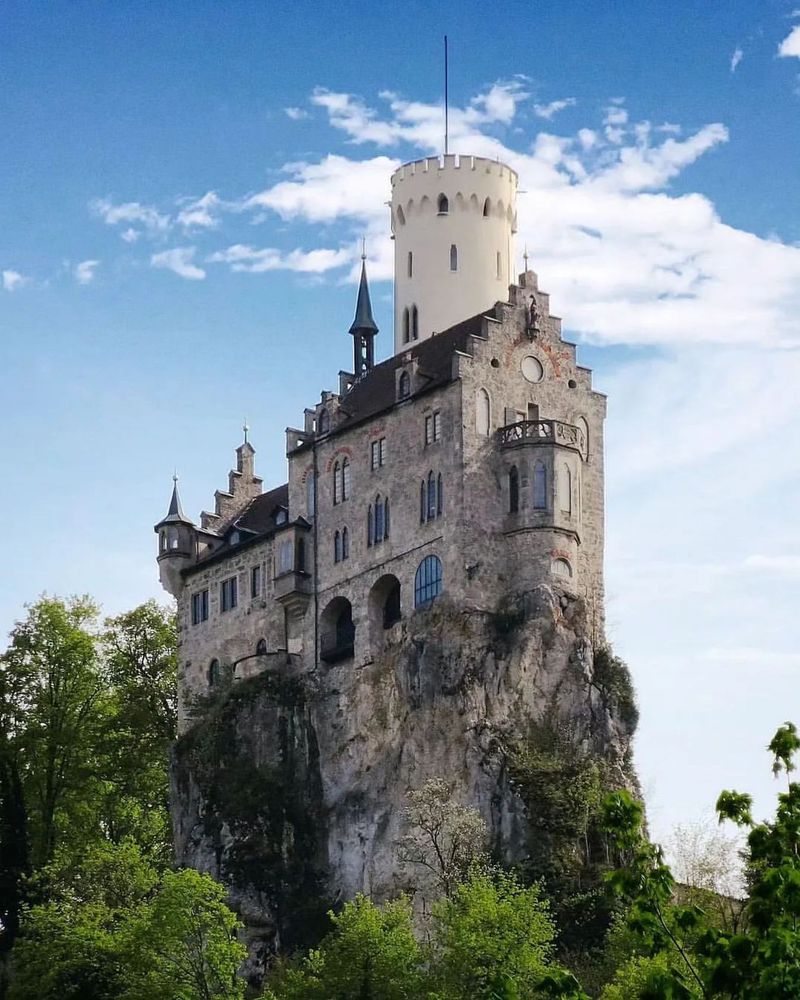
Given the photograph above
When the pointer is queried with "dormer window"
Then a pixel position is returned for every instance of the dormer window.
(404, 386)
(280, 516)
(443, 205)
(234, 538)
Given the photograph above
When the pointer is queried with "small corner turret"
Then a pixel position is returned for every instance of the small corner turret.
(177, 543)
(364, 327)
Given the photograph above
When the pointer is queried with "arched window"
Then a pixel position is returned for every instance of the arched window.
(539, 486)
(513, 490)
(562, 568)
(428, 581)
(345, 478)
(406, 328)
(423, 501)
(162, 537)
(439, 495)
(565, 489)
(379, 522)
(401, 215)
(172, 538)
(214, 673)
(584, 429)
(337, 547)
(453, 257)
(386, 518)
(310, 494)
(483, 413)
(410, 264)
(404, 386)
(323, 423)
(414, 323)
(487, 207)
(431, 512)
(336, 494)
(261, 648)
(370, 526)
(443, 205)
(345, 543)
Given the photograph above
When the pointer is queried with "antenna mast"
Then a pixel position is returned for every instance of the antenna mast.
(446, 130)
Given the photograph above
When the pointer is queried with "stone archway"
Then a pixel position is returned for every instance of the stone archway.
(337, 631)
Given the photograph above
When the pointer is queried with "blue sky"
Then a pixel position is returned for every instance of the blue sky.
(183, 189)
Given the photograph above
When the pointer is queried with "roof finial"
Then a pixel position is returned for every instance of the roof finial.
(175, 475)
(363, 247)
(246, 429)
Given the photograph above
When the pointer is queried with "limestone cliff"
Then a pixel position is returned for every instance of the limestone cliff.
(292, 787)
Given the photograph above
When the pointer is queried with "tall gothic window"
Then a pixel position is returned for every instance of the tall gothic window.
(336, 495)
(513, 489)
(410, 264)
(345, 478)
(443, 205)
(453, 257)
(337, 547)
(483, 413)
(414, 323)
(345, 543)
(406, 327)
(428, 581)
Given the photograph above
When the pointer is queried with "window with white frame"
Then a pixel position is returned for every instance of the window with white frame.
(378, 453)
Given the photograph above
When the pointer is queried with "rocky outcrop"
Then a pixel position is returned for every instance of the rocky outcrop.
(292, 788)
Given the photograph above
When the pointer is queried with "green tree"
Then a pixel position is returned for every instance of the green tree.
(371, 954)
(492, 938)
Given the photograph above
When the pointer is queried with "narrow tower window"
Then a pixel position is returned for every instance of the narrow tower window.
(337, 547)
(487, 207)
(406, 328)
(453, 257)
(336, 495)
(345, 479)
(410, 264)
(414, 323)
(443, 205)
(540, 486)
(345, 543)
(483, 413)
(499, 265)
(513, 490)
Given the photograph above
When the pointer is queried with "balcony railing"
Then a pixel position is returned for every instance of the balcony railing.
(337, 644)
(542, 432)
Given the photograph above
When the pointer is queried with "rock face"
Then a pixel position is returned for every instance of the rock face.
(292, 789)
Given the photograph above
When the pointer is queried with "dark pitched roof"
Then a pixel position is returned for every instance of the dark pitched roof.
(375, 390)
(258, 515)
(175, 513)
(364, 320)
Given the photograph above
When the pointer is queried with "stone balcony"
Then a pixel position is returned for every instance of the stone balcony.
(539, 432)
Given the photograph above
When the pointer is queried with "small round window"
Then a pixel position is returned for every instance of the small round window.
(532, 369)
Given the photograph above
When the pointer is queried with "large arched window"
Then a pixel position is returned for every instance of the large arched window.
(483, 413)
(453, 257)
(442, 205)
(214, 673)
(336, 493)
(540, 486)
(428, 581)
(345, 478)
(513, 489)
(565, 489)
(414, 323)
(404, 385)
(406, 327)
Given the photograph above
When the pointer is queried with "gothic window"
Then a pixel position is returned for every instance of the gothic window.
(406, 327)
(428, 581)
(562, 568)
(565, 489)
(410, 264)
(584, 428)
(443, 205)
(539, 486)
(200, 607)
(370, 526)
(453, 257)
(345, 543)
(487, 207)
(513, 489)
(423, 501)
(310, 482)
(324, 422)
(336, 495)
(345, 478)
(414, 323)
(214, 673)
(379, 522)
(255, 581)
(439, 495)
(228, 596)
(404, 386)
(431, 496)
(261, 648)
(386, 518)
(483, 413)
(337, 547)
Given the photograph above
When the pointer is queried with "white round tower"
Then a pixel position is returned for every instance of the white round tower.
(453, 224)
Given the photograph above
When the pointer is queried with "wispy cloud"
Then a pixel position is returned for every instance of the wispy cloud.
(296, 114)
(549, 111)
(201, 213)
(85, 271)
(130, 213)
(736, 58)
(13, 280)
(790, 46)
(248, 259)
(180, 261)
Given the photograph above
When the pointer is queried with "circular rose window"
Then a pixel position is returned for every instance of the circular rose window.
(532, 369)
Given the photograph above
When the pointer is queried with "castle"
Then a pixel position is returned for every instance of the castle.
(467, 467)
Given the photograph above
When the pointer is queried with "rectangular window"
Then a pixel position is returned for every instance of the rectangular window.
(229, 594)
(433, 427)
(410, 264)
(286, 557)
(199, 607)
(378, 453)
(255, 581)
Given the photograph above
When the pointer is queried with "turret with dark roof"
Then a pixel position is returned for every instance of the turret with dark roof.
(363, 327)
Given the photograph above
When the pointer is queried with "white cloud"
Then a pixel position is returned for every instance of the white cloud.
(790, 46)
(296, 114)
(146, 217)
(200, 213)
(549, 111)
(246, 258)
(84, 272)
(736, 58)
(12, 280)
(179, 260)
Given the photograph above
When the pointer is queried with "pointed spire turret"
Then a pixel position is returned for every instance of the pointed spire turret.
(175, 513)
(364, 327)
